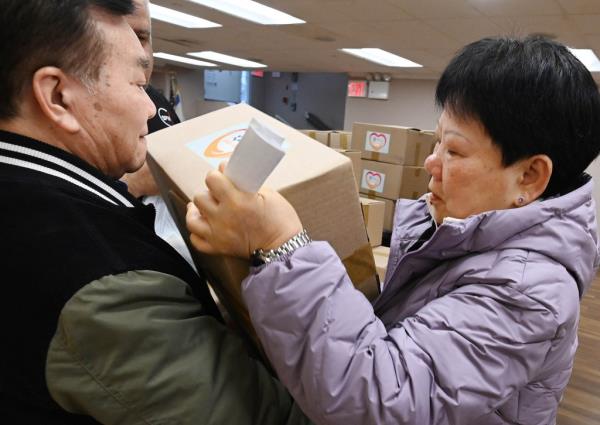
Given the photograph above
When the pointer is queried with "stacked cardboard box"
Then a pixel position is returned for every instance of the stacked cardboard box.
(381, 254)
(340, 140)
(374, 216)
(319, 136)
(392, 165)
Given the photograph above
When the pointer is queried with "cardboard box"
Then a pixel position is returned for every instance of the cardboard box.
(392, 144)
(319, 136)
(389, 210)
(373, 213)
(393, 181)
(388, 216)
(316, 180)
(340, 140)
(382, 255)
(355, 157)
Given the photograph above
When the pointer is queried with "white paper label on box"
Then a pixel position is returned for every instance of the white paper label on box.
(377, 142)
(218, 146)
(373, 180)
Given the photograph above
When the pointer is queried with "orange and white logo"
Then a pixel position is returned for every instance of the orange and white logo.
(223, 146)
(372, 180)
(377, 142)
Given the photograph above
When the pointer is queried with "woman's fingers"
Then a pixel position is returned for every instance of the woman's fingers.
(202, 245)
(221, 188)
(206, 203)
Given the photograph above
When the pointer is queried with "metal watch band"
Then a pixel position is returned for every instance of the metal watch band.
(265, 257)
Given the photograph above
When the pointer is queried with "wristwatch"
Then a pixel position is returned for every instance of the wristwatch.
(260, 257)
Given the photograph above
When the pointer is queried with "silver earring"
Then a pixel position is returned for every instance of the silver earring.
(520, 200)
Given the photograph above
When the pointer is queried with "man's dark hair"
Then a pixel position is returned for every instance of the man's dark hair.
(533, 97)
(61, 33)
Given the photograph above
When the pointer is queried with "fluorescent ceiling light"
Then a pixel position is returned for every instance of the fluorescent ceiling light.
(382, 57)
(588, 58)
(232, 60)
(179, 18)
(182, 59)
(251, 11)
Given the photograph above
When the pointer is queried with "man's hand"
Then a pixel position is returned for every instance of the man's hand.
(224, 220)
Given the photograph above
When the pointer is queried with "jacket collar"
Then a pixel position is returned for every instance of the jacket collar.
(29, 154)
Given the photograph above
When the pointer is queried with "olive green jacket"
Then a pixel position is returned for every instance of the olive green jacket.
(135, 348)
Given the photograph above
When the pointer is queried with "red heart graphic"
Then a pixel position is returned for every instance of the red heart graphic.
(377, 140)
(373, 179)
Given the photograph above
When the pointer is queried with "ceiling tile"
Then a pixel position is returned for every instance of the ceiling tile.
(580, 6)
(552, 26)
(586, 24)
(517, 7)
(466, 30)
(437, 8)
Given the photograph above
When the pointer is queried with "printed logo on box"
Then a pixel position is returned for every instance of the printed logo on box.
(219, 145)
(377, 142)
(372, 180)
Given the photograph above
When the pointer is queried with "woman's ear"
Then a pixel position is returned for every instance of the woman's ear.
(53, 91)
(535, 176)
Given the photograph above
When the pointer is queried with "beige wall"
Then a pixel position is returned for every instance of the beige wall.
(410, 103)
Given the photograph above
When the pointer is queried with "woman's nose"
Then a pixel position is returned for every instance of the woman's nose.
(433, 165)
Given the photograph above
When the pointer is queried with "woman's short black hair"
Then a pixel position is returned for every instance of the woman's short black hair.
(38, 33)
(533, 97)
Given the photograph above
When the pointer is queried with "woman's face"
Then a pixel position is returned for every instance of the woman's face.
(467, 175)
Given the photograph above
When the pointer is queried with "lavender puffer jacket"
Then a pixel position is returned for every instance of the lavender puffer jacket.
(477, 326)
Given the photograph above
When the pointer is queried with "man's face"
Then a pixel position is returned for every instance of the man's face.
(140, 23)
(113, 113)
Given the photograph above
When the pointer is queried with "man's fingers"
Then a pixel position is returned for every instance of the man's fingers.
(222, 166)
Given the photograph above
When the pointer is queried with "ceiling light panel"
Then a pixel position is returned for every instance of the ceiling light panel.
(179, 18)
(182, 59)
(382, 57)
(588, 58)
(251, 11)
(231, 60)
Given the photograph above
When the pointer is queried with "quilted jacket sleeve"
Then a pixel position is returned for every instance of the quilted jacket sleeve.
(457, 359)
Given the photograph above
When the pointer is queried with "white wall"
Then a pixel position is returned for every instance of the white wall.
(410, 103)
(191, 87)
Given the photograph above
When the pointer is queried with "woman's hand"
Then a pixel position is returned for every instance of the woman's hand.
(224, 220)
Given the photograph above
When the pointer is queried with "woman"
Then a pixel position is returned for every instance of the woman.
(477, 320)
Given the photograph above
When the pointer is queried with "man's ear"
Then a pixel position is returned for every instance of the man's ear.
(536, 173)
(53, 92)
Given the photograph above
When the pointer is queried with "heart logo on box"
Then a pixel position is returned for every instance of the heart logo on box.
(373, 180)
(377, 140)
(223, 146)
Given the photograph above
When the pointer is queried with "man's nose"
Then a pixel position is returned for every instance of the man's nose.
(151, 107)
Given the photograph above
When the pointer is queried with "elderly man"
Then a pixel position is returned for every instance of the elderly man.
(103, 322)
